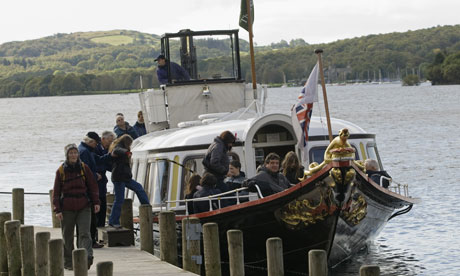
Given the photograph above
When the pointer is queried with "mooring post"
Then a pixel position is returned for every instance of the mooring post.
(13, 247)
(54, 219)
(27, 249)
(41, 253)
(56, 257)
(235, 252)
(145, 223)
(4, 217)
(80, 262)
(18, 204)
(275, 263)
(104, 269)
(317, 262)
(369, 270)
(211, 249)
(110, 199)
(168, 237)
(191, 237)
(126, 218)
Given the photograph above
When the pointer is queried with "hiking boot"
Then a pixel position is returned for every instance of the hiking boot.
(68, 267)
(97, 245)
(90, 262)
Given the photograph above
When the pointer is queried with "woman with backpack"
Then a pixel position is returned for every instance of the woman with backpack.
(74, 190)
(122, 177)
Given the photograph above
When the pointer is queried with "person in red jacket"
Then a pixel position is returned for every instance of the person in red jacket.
(74, 190)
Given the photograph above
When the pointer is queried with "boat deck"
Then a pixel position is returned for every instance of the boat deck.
(128, 260)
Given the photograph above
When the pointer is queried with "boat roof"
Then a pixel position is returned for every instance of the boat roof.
(205, 134)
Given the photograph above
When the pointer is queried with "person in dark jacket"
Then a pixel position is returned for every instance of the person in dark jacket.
(177, 72)
(123, 127)
(74, 190)
(193, 186)
(291, 168)
(235, 177)
(208, 184)
(87, 150)
(216, 160)
(139, 126)
(102, 149)
(122, 177)
(372, 170)
(269, 180)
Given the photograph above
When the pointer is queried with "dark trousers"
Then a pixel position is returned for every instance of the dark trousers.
(101, 216)
(81, 219)
(92, 227)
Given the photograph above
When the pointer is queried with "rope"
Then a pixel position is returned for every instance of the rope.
(29, 193)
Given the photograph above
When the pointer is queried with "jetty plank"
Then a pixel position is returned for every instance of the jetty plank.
(128, 260)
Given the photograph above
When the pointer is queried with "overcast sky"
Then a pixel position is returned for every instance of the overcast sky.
(314, 21)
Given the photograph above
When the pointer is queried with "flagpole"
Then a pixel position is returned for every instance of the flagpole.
(251, 48)
(323, 85)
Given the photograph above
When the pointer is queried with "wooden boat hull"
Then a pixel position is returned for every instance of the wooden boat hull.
(326, 211)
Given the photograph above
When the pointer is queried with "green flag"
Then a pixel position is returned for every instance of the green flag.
(244, 14)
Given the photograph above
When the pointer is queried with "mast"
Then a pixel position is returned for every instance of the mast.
(323, 85)
(251, 47)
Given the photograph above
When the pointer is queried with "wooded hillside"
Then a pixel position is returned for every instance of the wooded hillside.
(113, 60)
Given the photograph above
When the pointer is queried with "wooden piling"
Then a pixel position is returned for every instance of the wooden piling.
(41, 253)
(27, 249)
(369, 270)
(126, 218)
(235, 252)
(145, 223)
(104, 269)
(275, 265)
(56, 257)
(110, 199)
(4, 217)
(317, 263)
(18, 204)
(54, 219)
(191, 253)
(80, 262)
(13, 247)
(211, 249)
(168, 237)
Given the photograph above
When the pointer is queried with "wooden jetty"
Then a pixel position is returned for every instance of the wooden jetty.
(127, 260)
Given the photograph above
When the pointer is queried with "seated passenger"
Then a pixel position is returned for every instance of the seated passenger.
(269, 180)
(193, 186)
(291, 168)
(208, 184)
(372, 170)
(177, 72)
(235, 177)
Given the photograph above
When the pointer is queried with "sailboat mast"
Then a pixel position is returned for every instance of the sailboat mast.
(251, 46)
(323, 85)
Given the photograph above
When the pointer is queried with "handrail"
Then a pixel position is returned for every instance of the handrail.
(397, 187)
(210, 198)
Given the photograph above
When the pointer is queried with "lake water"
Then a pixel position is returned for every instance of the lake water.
(418, 139)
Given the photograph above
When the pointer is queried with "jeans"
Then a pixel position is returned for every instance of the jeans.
(114, 218)
(82, 219)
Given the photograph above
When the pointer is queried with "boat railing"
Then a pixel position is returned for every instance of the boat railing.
(395, 186)
(218, 197)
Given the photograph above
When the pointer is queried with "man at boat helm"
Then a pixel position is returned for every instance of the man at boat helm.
(177, 72)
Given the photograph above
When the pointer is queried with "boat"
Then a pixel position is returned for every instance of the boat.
(337, 208)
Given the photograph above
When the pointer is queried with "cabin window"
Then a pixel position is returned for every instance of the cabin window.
(316, 154)
(161, 182)
(272, 138)
(192, 164)
(372, 153)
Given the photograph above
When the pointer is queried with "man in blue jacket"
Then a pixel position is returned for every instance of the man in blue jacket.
(177, 72)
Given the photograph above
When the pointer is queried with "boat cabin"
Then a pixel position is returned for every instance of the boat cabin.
(163, 161)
